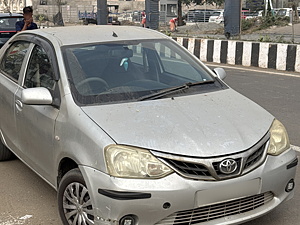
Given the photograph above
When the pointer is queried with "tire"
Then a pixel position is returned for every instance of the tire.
(74, 208)
(85, 22)
(5, 153)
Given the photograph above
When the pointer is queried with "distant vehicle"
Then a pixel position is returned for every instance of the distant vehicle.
(275, 10)
(260, 13)
(88, 17)
(284, 12)
(244, 13)
(137, 16)
(8, 26)
(217, 17)
(250, 15)
(126, 16)
(199, 15)
(91, 17)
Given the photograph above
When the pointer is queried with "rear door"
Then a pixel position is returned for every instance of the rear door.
(11, 66)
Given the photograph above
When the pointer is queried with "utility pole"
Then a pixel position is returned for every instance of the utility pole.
(232, 18)
(101, 12)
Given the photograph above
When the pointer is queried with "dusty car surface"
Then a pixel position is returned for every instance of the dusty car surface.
(130, 128)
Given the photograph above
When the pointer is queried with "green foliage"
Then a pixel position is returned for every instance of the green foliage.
(262, 23)
(200, 2)
(60, 2)
(268, 21)
(166, 32)
(41, 17)
(277, 39)
(217, 2)
(249, 23)
(280, 39)
(255, 5)
(265, 38)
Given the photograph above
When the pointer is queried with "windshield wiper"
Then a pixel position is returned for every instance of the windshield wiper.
(172, 90)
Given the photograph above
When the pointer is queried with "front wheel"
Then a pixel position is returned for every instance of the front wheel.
(5, 153)
(74, 202)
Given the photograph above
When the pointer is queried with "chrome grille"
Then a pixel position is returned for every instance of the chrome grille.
(188, 168)
(255, 157)
(216, 211)
(209, 168)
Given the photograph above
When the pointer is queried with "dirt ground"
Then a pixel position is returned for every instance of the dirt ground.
(195, 29)
(285, 34)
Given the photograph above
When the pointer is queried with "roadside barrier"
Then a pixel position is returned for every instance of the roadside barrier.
(258, 54)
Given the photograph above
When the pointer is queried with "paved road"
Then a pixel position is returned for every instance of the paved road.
(24, 197)
(27, 199)
(278, 92)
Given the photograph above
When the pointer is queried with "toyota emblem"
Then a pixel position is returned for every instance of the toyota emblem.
(228, 166)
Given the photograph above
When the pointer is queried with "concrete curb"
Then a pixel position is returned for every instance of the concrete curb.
(259, 54)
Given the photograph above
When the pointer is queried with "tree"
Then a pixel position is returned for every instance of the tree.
(58, 18)
(6, 5)
(197, 2)
(295, 10)
(255, 5)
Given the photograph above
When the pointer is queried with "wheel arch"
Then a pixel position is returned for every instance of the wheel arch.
(66, 164)
(2, 139)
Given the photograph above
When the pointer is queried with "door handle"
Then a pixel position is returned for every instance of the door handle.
(19, 105)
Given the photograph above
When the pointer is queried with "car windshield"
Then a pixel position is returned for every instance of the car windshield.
(131, 70)
(8, 23)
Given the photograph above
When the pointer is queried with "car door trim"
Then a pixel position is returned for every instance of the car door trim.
(47, 45)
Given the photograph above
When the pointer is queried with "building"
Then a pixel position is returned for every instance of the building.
(168, 10)
(70, 8)
(14, 6)
(255, 5)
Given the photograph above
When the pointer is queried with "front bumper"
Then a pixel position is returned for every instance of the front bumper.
(160, 201)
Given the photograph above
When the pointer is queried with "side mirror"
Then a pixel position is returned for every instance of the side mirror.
(36, 96)
(220, 72)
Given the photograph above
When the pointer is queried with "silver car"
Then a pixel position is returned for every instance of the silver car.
(132, 129)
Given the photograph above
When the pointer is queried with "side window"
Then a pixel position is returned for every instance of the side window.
(12, 60)
(39, 71)
(174, 64)
(137, 57)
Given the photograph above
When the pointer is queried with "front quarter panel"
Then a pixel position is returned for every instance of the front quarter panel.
(78, 137)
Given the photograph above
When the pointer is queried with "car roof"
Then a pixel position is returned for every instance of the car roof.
(10, 15)
(72, 35)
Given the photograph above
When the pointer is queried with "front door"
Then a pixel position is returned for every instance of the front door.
(36, 123)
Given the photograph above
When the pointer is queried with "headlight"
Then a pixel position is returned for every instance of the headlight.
(130, 162)
(279, 140)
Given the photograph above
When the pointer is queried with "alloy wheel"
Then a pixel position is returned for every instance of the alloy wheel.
(77, 205)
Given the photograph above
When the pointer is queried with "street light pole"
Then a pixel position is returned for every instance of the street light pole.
(101, 12)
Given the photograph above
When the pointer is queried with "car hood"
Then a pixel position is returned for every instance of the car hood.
(202, 125)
